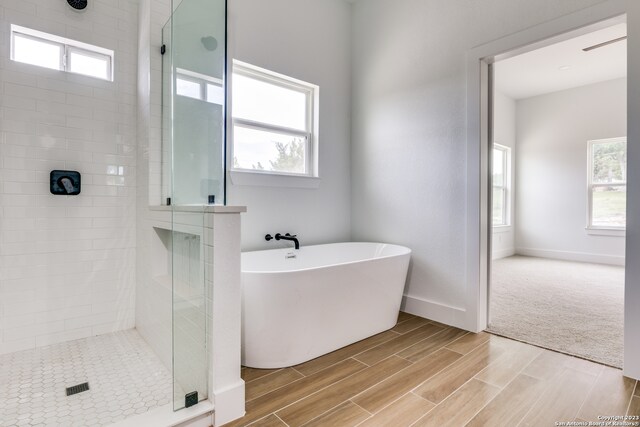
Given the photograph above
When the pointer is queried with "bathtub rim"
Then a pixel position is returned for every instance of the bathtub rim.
(406, 251)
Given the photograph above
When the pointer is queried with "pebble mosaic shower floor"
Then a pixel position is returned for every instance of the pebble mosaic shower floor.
(125, 377)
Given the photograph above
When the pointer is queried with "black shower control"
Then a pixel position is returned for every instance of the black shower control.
(64, 183)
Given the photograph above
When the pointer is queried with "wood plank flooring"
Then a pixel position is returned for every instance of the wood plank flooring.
(423, 373)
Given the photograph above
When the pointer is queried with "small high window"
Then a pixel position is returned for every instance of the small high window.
(59, 53)
(607, 184)
(273, 122)
(501, 185)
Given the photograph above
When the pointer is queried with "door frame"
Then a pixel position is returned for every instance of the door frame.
(479, 111)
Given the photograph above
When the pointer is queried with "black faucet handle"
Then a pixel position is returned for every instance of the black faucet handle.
(291, 235)
(268, 237)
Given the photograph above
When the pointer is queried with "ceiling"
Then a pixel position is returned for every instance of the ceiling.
(563, 65)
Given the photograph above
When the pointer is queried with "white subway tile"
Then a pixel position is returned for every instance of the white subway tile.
(68, 260)
(71, 335)
(18, 333)
(19, 345)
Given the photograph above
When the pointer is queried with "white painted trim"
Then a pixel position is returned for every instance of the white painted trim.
(230, 404)
(478, 59)
(501, 229)
(572, 256)
(443, 313)
(504, 253)
(611, 232)
(632, 273)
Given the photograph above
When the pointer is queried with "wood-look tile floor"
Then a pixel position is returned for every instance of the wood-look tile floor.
(423, 373)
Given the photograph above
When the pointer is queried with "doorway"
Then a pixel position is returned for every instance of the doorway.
(556, 189)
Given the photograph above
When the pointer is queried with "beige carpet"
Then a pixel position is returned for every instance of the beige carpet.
(575, 308)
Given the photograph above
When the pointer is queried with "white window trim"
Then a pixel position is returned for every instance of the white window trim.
(600, 230)
(66, 45)
(311, 179)
(506, 187)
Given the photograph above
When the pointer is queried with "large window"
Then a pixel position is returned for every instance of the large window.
(273, 122)
(608, 184)
(59, 53)
(501, 185)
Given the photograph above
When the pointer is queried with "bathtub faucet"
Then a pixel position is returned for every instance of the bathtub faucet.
(290, 238)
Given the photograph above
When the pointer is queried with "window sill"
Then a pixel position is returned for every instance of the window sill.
(501, 228)
(606, 232)
(273, 180)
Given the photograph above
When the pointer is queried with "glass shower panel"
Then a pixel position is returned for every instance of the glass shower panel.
(193, 145)
(190, 308)
(198, 56)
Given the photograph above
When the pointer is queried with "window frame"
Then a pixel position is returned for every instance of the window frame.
(506, 186)
(310, 134)
(600, 229)
(67, 46)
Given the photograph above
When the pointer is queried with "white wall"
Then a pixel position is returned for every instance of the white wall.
(409, 132)
(308, 40)
(551, 206)
(504, 133)
(68, 263)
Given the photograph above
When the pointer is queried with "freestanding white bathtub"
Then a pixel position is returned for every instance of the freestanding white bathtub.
(327, 297)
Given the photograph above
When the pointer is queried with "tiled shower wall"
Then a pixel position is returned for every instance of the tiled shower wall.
(67, 263)
(153, 297)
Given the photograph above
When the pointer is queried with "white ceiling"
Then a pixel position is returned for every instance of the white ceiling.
(544, 70)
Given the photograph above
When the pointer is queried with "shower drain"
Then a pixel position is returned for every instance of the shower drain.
(77, 389)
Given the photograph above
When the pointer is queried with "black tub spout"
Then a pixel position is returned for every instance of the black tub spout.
(291, 238)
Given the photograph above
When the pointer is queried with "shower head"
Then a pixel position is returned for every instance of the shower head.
(77, 4)
(210, 43)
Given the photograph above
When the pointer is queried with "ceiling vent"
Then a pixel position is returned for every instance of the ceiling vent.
(603, 44)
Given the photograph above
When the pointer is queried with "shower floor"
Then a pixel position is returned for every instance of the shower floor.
(125, 377)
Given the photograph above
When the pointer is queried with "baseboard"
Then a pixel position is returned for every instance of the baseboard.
(449, 315)
(229, 404)
(572, 256)
(503, 253)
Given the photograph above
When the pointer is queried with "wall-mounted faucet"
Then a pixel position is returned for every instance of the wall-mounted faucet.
(291, 238)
